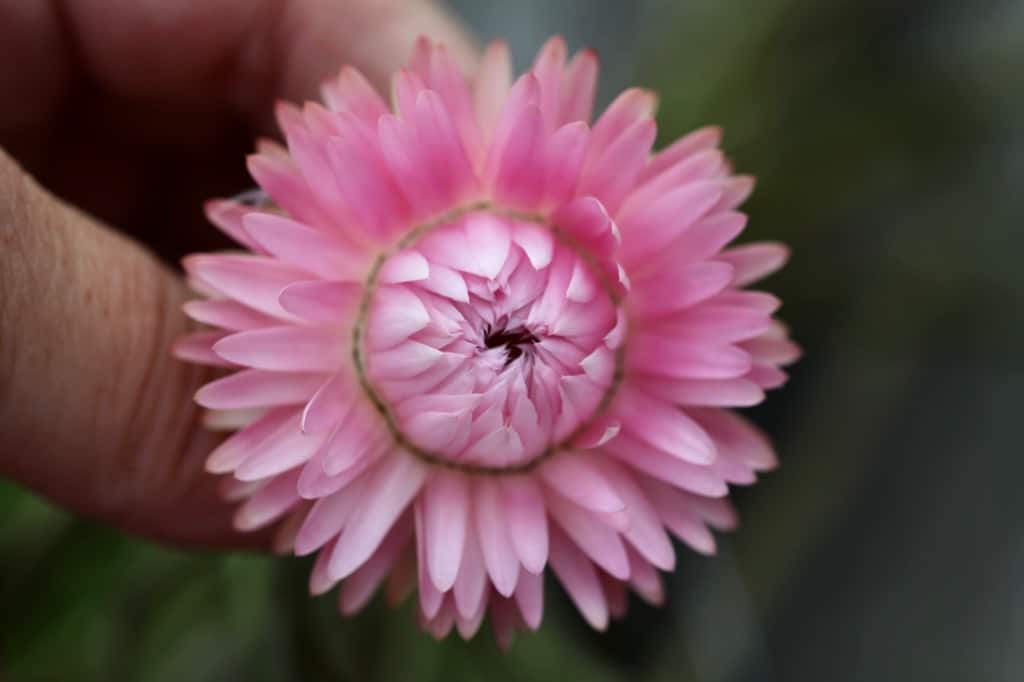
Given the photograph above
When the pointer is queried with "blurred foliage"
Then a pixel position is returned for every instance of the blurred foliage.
(888, 146)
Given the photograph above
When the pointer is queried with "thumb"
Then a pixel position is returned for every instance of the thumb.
(95, 414)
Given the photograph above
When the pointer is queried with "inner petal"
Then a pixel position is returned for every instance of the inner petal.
(506, 380)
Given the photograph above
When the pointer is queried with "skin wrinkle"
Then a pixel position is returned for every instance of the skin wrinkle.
(15, 278)
(141, 426)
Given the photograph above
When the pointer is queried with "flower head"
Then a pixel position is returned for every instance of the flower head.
(478, 336)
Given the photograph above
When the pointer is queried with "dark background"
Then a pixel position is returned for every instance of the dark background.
(889, 144)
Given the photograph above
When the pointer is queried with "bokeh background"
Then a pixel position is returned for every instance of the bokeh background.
(889, 142)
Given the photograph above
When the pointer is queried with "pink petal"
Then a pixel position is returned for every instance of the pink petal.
(666, 467)
(580, 87)
(644, 580)
(394, 484)
(718, 513)
(610, 175)
(772, 350)
(672, 290)
(226, 314)
(284, 449)
(493, 534)
(229, 454)
(469, 625)
(315, 482)
(321, 302)
(683, 520)
(258, 388)
(493, 82)
(524, 509)
(654, 226)
(471, 584)
(702, 240)
(445, 504)
(700, 392)
(442, 76)
(575, 477)
(738, 437)
(447, 157)
(664, 356)
(407, 360)
(442, 623)
(283, 542)
(547, 67)
(601, 431)
(629, 107)
(563, 162)
(597, 540)
(351, 92)
(372, 194)
(198, 348)
(405, 266)
(285, 348)
(697, 141)
(737, 189)
(709, 164)
(268, 504)
(255, 281)
(447, 283)
(358, 589)
(227, 215)
(755, 261)
(312, 250)
(724, 319)
(284, 182)
(326, 519)
(430, 598)
(530, 598)
(579, 579)
(319, 581)
(329, 405)
(665, 427)
(537, 242)
(645, 532)
(229, 420)
(395, 314)
(488, 240)
(439, 431)
(767, 376)
(357, 439)
(588, 223)
(519, 154)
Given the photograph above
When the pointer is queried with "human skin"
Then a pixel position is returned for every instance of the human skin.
(117, 118)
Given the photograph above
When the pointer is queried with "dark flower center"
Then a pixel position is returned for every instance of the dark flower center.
(513, 338)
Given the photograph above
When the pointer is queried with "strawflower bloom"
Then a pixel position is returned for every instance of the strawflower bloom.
(477, 336)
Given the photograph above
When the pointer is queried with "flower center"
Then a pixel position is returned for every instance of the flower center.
(482, 341)
(513, 340)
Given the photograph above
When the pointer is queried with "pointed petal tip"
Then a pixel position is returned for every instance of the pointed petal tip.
(192, 261)
(713, 131)
(708, 551)
(217, 465)
(202, 397)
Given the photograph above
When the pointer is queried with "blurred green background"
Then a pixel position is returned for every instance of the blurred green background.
(888, 138)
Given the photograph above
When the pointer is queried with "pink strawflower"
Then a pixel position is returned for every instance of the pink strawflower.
(478, 337)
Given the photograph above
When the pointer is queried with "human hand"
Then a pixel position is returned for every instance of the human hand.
(134, 112)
